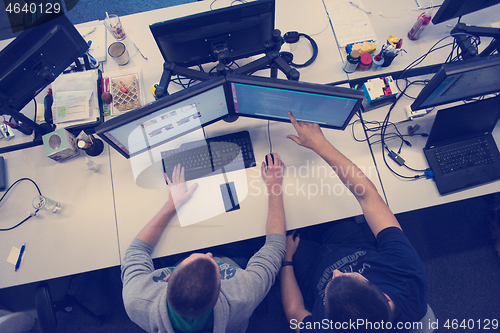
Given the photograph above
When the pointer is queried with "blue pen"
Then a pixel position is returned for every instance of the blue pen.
(18, 263)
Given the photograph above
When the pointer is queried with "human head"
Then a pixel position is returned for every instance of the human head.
(194, 285)
(350, 296)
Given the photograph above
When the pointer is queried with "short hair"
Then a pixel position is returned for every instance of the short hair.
(193, 288)
(349, 299)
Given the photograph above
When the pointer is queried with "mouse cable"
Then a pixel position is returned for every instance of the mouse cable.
(32, 214)
(269, 136)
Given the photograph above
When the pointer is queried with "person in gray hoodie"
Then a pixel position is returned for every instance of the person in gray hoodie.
(202, 293)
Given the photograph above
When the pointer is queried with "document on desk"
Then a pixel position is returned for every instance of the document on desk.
(349, 23)
(72, 105)
(75, 98)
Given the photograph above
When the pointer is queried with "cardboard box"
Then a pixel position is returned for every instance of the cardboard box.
(60, 145)
(379, 89)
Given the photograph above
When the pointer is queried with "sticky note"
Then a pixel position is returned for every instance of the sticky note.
(61, 112)
(13, 255)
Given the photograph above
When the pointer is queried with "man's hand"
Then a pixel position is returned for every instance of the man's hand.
(273, 176)
(178, 193)
(292, 242)
(309, 134)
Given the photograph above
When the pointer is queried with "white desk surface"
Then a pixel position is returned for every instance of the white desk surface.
(397, 17)
(307, 183)
(420, 193)
(78, 238)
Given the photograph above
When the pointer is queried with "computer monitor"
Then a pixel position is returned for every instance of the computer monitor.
(455, 8)
(34, 59)
(231, 33)
(161, 121)
(460, 81)
(267, 98)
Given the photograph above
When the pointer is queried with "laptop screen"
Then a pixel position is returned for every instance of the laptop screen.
(166, 119)
(327, 106)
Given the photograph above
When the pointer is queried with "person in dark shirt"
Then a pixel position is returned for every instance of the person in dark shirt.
(357, 280)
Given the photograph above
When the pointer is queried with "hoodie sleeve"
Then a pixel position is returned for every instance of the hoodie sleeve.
(250, 286)
(137, 265)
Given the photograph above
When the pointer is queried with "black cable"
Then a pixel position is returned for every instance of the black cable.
(269, 136)
(384, 146)
(36, 110)
(31, 215)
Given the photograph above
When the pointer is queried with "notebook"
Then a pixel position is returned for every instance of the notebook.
(460, 149)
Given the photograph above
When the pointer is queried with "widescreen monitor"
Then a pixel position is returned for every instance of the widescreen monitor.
(456, 8)
(161, 121)
(460, 81)
(237, 32)
(267, 98)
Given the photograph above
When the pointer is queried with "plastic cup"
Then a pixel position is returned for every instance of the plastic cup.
(119, 53)
(114, 25)
(41, 202)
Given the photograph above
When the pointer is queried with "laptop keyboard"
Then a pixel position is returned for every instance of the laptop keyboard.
(200, 158)
(468, 155)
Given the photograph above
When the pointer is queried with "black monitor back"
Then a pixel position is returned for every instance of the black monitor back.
(35, 58)
(241, 30)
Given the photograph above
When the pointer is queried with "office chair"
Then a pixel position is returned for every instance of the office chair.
(46, 308)
(426, 320)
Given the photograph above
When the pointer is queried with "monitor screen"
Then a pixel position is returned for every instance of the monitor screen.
(460, 81)
(240, 31)
(266, 98)
(455, 8)
(161, 121)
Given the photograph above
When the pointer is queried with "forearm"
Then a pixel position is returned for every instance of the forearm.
(376, 212)
(152, 231)
(275, 215)
(291, 296)
(349, 173)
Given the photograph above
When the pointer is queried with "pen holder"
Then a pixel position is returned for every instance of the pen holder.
(388, 58)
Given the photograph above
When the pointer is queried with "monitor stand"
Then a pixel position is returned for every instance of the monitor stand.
(461, 33)
(272, 59)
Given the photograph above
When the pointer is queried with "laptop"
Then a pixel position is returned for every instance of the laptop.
(460, 149)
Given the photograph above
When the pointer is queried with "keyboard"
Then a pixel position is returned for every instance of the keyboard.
(227, 153)
(474, 153)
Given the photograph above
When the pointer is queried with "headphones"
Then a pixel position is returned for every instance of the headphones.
(292, 37)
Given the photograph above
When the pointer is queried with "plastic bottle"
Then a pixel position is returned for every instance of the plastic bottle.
(378, 60)
(365, 61)
(47, 102)
(352, 61)
(419, 26)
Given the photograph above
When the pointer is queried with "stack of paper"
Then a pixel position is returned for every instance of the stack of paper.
(75, 98)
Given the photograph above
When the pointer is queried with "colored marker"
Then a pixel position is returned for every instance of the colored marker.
(18, 263)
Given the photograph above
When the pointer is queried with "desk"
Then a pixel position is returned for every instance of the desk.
(136, 205)
(397, 17)
(419, 193)
(78, 238)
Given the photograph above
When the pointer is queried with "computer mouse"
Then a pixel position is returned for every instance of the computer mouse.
(267, 160)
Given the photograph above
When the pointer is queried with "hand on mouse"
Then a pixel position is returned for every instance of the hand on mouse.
(273, 174)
